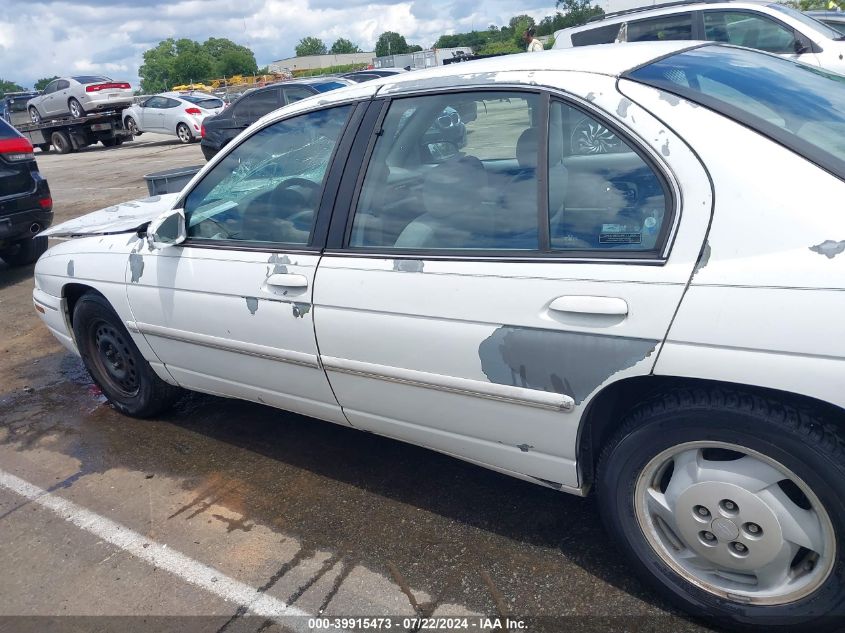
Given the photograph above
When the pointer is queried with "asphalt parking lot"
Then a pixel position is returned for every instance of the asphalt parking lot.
(238, 517)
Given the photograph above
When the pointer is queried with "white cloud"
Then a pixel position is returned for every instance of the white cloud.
(41, 38)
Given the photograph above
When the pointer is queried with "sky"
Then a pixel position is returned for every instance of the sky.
(42, 38)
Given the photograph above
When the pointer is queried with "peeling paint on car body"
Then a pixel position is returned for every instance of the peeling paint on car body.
(829, 248)
(252, 304)
(300, 309)
(622, 108)
(136, 267)
(70, 268)
(408, 265)
(570, 363)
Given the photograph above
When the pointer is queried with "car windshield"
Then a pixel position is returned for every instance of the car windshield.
(808, 20)
(90, 79)
(329, 85)
(799, 106)
(209, 103)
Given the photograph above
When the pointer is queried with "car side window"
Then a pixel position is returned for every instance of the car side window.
(677, 26)
(255, 106)
(170, 103)
(600, 35)
(62, 84)
(268, 188)
(746, 29)
(155, 102)
(602, 194)
(51, 87)
(297, 93)
(453, 171)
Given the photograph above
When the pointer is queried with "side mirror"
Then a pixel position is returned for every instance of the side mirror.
(168, 229)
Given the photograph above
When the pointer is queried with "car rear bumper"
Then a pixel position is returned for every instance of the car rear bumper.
(98, 101)
(208, 150)
(23, 224)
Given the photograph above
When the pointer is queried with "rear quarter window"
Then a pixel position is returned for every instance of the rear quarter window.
(600, 35)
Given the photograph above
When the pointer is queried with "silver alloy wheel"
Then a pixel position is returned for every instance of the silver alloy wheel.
(131, 125)
(735, 523)
(34, 115)
(75, 109)
(183, 133)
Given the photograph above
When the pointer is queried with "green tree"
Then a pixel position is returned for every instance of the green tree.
(342, 45)
(500, 48)
(8, 86)
(310, 46)
(521, 22)
(391, 43)
(414, 48)
(157, 70)
(577, 12)
(229, 58)
(42, 83)
(192, 66)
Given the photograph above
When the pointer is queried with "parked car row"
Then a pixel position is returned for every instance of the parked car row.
(660, 322)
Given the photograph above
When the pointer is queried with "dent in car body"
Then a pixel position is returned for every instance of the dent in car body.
(569, 363)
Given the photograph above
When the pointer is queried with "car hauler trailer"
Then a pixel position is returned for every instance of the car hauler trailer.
(69, 134)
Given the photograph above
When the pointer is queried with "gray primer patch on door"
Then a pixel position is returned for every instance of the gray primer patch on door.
(70, 268)
(301, 309)
(569, 363)
(829, 248)
(622, 109)
(136, 266)
(252, 304)
(279, 262)
(408, 265)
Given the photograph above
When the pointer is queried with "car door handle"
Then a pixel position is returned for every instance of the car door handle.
(280, 280)
(590, 305)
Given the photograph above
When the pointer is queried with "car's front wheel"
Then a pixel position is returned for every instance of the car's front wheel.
(34, 114)
(131, 125)
(733, 505)
(114, 361)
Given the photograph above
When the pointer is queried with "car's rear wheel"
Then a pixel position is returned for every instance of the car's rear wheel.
(114, 361)
(44, 147)
(109, 142)
(24, 252)
(733, 505)
(61, 141)
(184, 133)
(34, 114)
(75, 108)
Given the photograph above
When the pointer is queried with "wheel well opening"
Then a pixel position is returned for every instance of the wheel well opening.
(609, 408)
(72, 293)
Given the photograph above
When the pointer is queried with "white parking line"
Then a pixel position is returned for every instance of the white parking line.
(160, 555)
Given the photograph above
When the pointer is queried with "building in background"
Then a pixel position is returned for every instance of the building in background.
(318, 62)
(422, 59)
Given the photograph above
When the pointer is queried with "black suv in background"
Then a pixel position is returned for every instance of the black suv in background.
(26, 207)
(13, 107)
(221, 128)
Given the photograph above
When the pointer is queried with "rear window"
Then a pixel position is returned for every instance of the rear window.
(7, 131)
(601, 35)
(798, 106)
(329, 85)
(204, 102)
(90, 79)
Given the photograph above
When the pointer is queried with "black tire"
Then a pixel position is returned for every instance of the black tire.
(131, 125)
(183, 133)
(61, 141)
(24, 252)
(44, 147)
(803, 441)
(75, 108)
(114, 361)
(109, 142)
(118, 140)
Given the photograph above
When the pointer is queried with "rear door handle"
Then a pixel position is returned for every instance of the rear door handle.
(280, 280)
(580, 304)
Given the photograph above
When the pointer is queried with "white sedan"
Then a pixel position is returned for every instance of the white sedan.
(630, 278)
(179, 113)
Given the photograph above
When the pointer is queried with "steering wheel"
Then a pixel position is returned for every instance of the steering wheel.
(312, 187)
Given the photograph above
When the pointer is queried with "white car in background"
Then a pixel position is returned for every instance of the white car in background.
(179, 113)
(78, 96)
(630, 278)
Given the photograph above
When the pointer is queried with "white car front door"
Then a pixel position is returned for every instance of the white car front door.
(458, 314)
(229, 310)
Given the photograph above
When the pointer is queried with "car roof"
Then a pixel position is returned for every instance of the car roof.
(603, 59)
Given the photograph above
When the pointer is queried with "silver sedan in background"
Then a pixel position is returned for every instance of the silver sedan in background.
(179, 113)
(78, 96)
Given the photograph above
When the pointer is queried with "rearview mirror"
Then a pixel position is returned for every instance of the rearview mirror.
(441, 151)
(168, 229)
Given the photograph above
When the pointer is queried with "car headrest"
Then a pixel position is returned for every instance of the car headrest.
(454, 185)
(526, 148)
